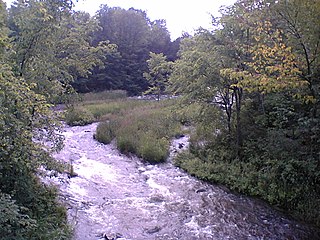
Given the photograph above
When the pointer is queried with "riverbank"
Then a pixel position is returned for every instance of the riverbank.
(116, 195)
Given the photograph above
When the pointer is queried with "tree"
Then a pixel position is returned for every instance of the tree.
(53, 49)
(129, 30)
(159, 71)
(159, 37)
(26, 122)
(303, 34)
(135, 36)
(261, 65)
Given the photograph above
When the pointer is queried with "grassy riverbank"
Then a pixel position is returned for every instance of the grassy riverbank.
(268, 170)
(140, 127)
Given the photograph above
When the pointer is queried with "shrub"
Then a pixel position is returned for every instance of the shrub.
(292, 184)
(127, 143)
(78, 116)
(106, 131)
(13, 223)
(153, 150)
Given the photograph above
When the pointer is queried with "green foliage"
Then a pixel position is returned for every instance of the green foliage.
(106, 131)
(135, 36)
(159, 71)
(13, 223)
(52, 47)
(22, 112)
(78, 116)
(261, 63)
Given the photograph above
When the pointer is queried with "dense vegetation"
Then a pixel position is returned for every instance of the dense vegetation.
(135, 36)
(29, 209)
(254, 82)
(140, 127)
(257, 79)
(47, 50)
(249, 90)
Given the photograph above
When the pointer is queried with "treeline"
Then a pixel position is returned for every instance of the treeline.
(256, 77)
(134, 36)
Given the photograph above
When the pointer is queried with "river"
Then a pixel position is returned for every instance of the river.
(121, 197)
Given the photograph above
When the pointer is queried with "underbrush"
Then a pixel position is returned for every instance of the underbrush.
(268, 170)
(36, 215)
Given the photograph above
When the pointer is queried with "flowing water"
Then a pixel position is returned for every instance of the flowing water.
(119, 197)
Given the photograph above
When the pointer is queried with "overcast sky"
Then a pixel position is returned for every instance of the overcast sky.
(180, 15)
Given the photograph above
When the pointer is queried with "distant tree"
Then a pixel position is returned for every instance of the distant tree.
(158, 74)
(135, 36)
(129, 30)
(159, 37)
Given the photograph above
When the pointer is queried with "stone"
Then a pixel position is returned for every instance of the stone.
(153, 230)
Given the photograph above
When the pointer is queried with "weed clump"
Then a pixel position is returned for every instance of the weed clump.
(106, 131)
(145, 130)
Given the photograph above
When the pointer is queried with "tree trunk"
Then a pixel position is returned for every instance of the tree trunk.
(238, 97)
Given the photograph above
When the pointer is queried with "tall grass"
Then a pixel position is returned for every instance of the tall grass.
(145, 130)
(91, 107)
(103, 96)
(140, 127)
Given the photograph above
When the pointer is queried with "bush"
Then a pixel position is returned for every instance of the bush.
(152, 149)
(78, 117)
(127, 143)
(106, 131)
(40, 216)
(13, 223)
(273, 175)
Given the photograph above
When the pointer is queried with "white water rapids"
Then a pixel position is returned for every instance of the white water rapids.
(119, 197)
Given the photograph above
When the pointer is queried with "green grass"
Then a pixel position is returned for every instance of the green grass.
(95, 107)
(103, 96)
(79, 116)
(144, 130)
(104, 110)
(140, 127)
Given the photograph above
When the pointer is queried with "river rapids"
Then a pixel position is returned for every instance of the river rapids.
(115, 196)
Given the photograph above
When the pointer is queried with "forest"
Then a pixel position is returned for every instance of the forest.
(249, 90)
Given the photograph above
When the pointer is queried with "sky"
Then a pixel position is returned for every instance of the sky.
(180, 15)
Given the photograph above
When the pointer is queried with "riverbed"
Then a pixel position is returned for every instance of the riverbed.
(115, 196)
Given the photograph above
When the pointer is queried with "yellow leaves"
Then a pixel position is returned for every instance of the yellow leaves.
(273, 66)
(306, 98)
